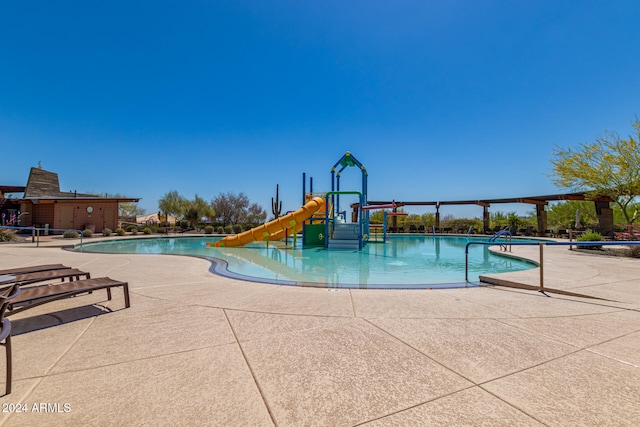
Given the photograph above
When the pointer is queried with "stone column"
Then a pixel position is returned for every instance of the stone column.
(541, 213)
(605, 218)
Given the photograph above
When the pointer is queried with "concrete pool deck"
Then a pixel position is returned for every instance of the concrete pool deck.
(199, 349)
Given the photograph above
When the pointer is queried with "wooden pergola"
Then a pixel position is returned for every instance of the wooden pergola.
(603, 208)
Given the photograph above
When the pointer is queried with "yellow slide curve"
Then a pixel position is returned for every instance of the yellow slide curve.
(275, 229)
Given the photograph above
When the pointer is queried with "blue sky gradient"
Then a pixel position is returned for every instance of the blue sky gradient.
(440, 100)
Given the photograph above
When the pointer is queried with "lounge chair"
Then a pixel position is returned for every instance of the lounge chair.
(32, 269)
(42, 276)
(34, 296)
(5, 329)
(421, 229)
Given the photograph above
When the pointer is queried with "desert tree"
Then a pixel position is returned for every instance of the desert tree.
(608, 166)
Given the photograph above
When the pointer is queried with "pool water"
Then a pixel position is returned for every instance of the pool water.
(402, 262)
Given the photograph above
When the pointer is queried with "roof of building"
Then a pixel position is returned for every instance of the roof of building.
(44, 185)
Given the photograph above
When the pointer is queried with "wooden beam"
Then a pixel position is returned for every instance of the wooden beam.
(533, 202)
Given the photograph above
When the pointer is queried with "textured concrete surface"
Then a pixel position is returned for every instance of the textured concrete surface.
(199, 349)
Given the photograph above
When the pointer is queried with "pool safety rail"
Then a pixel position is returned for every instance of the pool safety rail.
(506, 232)
(542, 245)
(35, 232)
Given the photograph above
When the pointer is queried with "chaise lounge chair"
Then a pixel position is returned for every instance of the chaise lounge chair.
(34, 296)
(42, 276)
(32, 269)
(5, 329)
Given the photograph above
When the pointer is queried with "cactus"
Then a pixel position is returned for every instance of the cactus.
(276, 205)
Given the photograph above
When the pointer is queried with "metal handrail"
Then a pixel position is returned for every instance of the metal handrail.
(35, 232)
(542, 245)
(503, 232)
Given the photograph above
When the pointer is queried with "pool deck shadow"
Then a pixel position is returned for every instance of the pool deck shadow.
(200, 349)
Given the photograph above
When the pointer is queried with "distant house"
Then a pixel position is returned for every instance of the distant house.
(44, 205)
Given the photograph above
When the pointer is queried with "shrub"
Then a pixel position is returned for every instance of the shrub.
(132, 227)
(185, 224)
(146, 230)
(70, 235)
(134, 231)
(590, 237)
(7, 236)
(237, 228)
(220, 229)
(87, 233)
(107, 232)
(228, 229)
(120, 232)
(208, 229)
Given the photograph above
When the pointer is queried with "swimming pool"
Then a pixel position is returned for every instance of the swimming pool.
(403, 262)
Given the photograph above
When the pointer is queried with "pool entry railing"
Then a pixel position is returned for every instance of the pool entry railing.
(502, 233)
(35, 232)
(541, 256)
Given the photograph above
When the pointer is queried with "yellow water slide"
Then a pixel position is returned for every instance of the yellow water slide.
(275, 229)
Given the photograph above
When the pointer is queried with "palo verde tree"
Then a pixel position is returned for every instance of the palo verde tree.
(172, 203)
(609, 166)
(196, 209)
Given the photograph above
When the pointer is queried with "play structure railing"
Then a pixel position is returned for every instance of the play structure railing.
(541, 257)
(35, 232)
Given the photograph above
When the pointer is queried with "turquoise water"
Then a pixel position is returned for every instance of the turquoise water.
(402, 262)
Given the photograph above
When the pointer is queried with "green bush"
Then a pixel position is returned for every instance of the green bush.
(134, 231)
(208, 229)
(7, 236)
(120, 232)
(107, 232)
(238, 228)
(590, 237)
(228, 229)
(220, 229)
(71, 235)
(146, 230)
(87, 233)
(132, 227)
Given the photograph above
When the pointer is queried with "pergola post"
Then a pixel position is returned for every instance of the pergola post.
(438, 216)
(486, 217)
(541, 213)
(605, 218)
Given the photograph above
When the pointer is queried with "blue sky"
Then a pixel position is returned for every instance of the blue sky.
(440, 100)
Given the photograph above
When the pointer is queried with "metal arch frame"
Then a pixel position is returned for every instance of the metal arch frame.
(346, 161)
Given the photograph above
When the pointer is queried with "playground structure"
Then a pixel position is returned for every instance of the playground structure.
(277, 229)
(319, 219)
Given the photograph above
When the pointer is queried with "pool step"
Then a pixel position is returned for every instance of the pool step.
(344, 244)
(345, 236)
